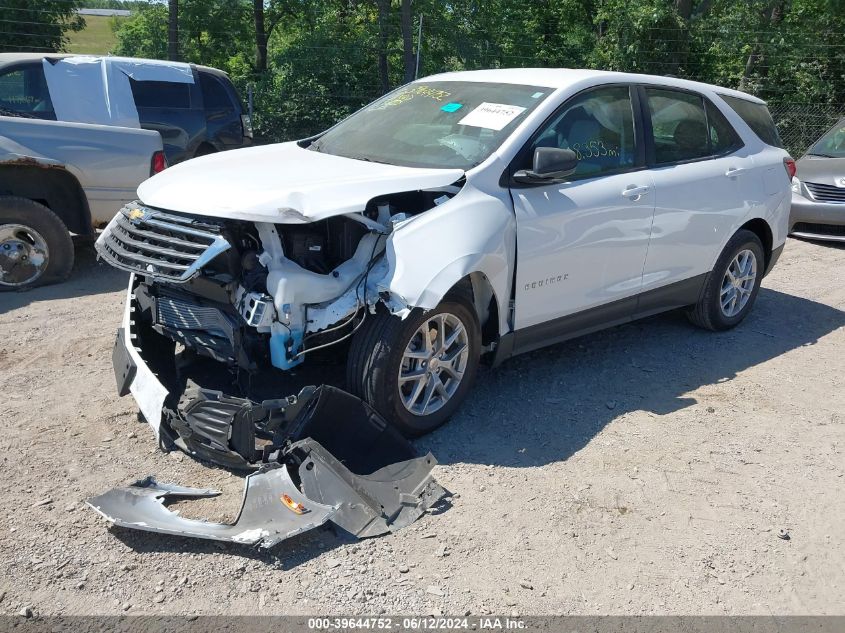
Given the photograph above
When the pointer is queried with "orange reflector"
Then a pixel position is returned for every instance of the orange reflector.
(293, 506)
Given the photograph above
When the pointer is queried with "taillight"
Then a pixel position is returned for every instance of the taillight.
(791, 169)
(159, 163)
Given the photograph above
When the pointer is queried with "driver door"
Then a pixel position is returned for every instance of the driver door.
(582, 244)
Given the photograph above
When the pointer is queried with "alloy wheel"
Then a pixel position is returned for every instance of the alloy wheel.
(738, 283)
(433, 364)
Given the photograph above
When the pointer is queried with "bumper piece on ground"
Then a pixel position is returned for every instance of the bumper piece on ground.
(264, 518)
(338, 461)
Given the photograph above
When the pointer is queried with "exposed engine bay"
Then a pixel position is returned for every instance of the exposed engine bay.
(256, 295)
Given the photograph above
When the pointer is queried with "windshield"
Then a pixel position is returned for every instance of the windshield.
(832, 144)
(433, 124)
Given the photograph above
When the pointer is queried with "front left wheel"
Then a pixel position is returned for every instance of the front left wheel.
(416, 372)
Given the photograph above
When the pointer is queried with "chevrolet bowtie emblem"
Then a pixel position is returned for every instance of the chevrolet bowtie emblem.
(136, 215)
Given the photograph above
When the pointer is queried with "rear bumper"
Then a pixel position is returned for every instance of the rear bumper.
(817, 220)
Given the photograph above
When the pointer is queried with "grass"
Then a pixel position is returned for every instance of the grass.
(97, 38)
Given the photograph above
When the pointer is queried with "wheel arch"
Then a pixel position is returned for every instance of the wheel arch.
(485, 302)
(484, 276)
(762, 230)
(54, 187)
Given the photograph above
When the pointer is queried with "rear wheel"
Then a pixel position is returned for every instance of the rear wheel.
(35, 246)
(732, 285)
(416, 372)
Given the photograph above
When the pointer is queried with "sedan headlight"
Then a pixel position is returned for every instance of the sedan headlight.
(796, 185)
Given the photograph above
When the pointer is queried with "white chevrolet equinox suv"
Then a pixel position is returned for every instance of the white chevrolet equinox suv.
(464, 217)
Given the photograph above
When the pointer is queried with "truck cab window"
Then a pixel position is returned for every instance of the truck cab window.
(23, 92)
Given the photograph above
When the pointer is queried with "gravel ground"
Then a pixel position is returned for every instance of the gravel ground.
(645, 469)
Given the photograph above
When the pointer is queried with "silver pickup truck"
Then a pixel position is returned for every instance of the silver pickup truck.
(59, 178)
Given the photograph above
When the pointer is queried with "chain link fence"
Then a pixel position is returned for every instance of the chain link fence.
(801, 124)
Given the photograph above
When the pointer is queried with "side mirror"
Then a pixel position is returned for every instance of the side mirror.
(550, 164)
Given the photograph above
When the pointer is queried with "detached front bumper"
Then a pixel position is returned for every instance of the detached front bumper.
(817, 220)
(323, 455)
(131, 371)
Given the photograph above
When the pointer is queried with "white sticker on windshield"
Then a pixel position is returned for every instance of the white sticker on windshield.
(493, 116)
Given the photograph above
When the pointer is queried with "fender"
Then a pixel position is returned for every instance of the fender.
(474, 232)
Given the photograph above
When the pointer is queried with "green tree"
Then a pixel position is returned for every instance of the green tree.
(144, 34)
(38, 25)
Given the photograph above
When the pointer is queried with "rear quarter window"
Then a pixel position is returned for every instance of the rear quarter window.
(214, 94)
(161, 94)
(758, 118)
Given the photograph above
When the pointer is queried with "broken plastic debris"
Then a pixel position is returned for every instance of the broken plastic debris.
(262, 518)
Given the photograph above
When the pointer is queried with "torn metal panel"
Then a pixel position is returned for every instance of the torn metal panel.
(273, 510)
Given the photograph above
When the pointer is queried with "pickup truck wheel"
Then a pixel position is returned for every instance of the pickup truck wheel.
(417, 371)
(732, 285)
(35, 246)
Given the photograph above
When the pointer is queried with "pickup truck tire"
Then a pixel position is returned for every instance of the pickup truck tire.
(732, 285)
(35, 245)
(417, 386)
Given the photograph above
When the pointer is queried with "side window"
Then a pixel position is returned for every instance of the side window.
(723, 138)
(758, 118)
(598, 126)
(214, 94)
(160, 94)
(679, 125)
(24, 91)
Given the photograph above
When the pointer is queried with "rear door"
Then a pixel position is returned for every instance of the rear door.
(175, 111)
(581, 244)
(703, 179)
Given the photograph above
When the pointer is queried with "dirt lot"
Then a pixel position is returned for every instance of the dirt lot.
(646, 469)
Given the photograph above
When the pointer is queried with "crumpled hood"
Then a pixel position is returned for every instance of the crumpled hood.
(282, 183)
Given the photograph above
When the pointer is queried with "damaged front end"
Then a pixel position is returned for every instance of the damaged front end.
(218, 317)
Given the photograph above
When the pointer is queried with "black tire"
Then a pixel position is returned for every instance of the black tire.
(376, 355)
(41, 220)
(708, 312)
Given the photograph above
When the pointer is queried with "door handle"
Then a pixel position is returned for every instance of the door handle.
(734, 171)
(634, 193)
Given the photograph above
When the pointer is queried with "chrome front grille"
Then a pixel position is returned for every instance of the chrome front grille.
(826, 193)
(158, 244)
